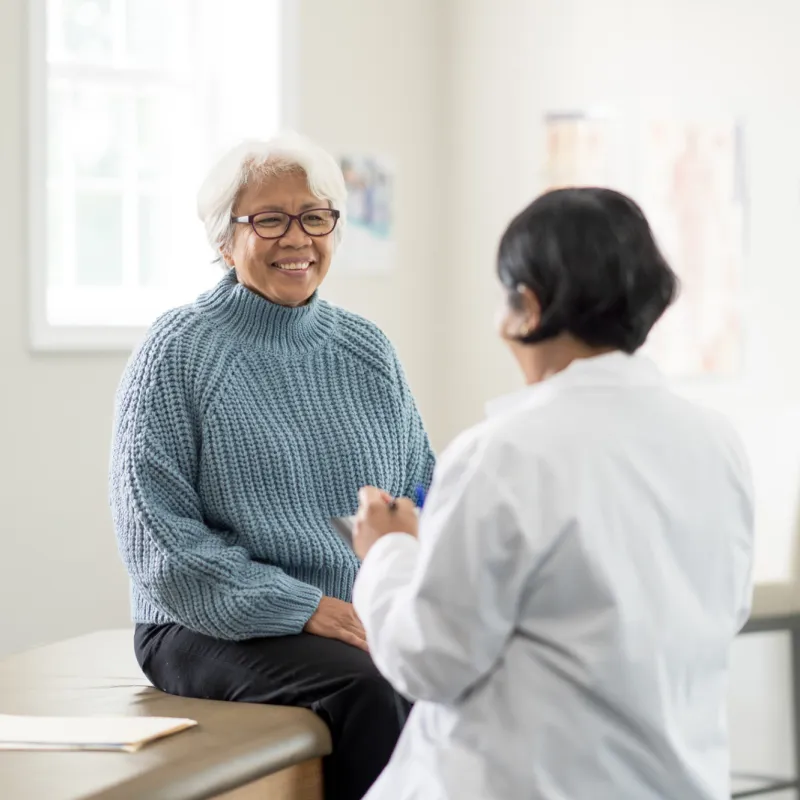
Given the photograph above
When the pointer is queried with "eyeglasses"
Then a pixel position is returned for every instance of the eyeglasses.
(276, 224)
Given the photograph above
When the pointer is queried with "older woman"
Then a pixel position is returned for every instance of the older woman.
(245, 422)
(583, 563)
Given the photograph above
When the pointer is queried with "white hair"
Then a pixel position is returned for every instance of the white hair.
(255, 160)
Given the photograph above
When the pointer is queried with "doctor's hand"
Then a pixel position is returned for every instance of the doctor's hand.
(379, 514)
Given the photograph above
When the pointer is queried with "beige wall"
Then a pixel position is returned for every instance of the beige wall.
(368, 77)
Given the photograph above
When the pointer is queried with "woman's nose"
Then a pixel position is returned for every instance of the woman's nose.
(295, 235)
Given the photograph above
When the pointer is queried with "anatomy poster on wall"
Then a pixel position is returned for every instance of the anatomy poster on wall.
(368, 244)
(689, 179)
(692, 191)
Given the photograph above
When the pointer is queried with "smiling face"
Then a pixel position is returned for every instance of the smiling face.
(287, 270)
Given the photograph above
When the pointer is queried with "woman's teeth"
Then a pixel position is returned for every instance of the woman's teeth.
(297, 265)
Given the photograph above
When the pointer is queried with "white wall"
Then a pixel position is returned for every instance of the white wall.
(59, 570)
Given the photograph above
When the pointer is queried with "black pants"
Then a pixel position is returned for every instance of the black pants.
(336, 681)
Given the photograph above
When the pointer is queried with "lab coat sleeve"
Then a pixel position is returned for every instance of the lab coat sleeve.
(439, 611)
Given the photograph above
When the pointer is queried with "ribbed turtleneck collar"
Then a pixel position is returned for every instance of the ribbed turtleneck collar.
(266, 324)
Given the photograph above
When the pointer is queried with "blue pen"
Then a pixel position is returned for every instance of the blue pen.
(419, 496)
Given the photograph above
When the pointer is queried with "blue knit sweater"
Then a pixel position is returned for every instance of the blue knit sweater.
(242, 427)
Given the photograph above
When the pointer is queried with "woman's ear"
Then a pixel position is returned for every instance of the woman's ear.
(226, 256)
(530, 309)
(522, 315)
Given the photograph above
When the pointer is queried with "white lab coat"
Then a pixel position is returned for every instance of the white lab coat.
(565, 619)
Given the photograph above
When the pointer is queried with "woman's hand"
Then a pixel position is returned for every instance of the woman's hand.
(379, 514)
(335, 619)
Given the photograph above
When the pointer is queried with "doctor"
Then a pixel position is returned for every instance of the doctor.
(564, 614)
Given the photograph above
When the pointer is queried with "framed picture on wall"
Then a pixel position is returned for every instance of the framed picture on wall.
(368, 245)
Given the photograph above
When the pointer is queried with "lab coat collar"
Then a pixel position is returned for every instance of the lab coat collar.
(609, 369)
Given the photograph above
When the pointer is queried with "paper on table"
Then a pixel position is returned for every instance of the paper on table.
(85, 733)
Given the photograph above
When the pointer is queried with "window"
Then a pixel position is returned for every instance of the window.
(131, 100)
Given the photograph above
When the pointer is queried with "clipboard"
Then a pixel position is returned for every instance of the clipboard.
(344, 527)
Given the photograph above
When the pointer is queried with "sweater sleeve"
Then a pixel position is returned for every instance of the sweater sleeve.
(185, 569)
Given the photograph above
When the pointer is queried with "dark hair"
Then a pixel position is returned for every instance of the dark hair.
(590, 258)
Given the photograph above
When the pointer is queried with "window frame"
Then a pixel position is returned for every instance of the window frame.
(45, 336)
